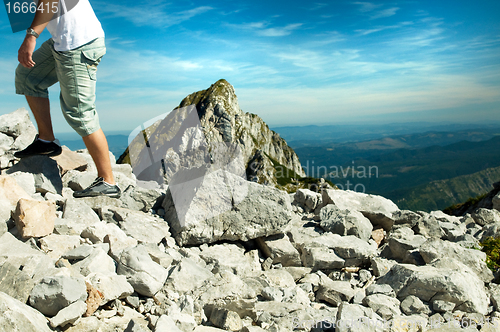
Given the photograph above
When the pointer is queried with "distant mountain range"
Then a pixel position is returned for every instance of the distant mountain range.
(420, 171)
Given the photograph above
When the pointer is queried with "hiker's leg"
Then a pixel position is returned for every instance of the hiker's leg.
(97, 145)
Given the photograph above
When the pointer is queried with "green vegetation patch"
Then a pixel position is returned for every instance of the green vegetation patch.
(491, 246)
(452, 210)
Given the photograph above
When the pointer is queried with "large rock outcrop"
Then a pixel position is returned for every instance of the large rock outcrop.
(188, 136)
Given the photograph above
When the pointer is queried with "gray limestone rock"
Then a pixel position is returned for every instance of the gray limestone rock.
(428, 226)
(224, 287)
(297, 272)
(112, 287)
(52, 294)
(79, 211)
(18, 126)
(229, 257)
(376, 208)
(226, 319)
(443, 306)
(381, 265)
(5, 143)
(99, 230)
(496, 202)
(77, 180)
(97, 262)
(141, 199)
(352, 249)
(380, 289)
(452, 231)
(476, 260)
(187, 275)
(447, 280)
(16, 123)
(183, 321)
(145, 276)
(25, 181)
(272, 294)
(278, 278)
(357, 318)
(385, 306)
(484, 216)
(321, 258)
(405, 218)
(402, 242)
(3, 227)
(78, 253)
(412, 305)
(334, 292)
(166, 324)
(261, 211)
(307, 199)
(69, 315)
(142, 227)
(18, 317)
(280, 249)
(56, 245)
(345, 222)
(31, 263)
(15, 282)
(45, 172)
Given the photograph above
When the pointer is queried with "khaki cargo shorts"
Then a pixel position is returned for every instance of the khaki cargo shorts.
(75, 70)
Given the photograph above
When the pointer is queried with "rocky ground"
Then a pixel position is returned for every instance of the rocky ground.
(329, 261)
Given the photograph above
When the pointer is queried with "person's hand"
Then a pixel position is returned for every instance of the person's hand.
(26, 51)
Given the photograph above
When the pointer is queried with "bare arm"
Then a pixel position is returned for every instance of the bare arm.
(39, 23)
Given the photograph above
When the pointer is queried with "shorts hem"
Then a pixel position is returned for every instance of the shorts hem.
(33, 94)
(86, 132)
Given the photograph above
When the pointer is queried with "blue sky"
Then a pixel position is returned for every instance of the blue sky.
(291, 62)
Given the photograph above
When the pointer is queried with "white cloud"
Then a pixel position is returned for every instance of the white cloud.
(150, 14)
(366, 6)
(365, 32)
(262, 28)
(384, 13)
(279, 32)
(318, 5)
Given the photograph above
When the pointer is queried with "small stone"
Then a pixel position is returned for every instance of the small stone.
(69, 160)
(378, 235)
(442, 306)
(266, 265)
(166, 324)
(69, 315)
(52, 294)
(412, 305)
(94, 299)
(133, 300)
(226, 319)
(35, 219)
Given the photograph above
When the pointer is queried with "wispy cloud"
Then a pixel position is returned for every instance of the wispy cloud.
(366, 6)
(154, 15)
(384, 13)
(280, 31)
(262, 28)
(318, 5)
(365, 32)
(370, 9)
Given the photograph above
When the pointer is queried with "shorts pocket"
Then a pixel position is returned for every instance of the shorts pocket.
(92, 58)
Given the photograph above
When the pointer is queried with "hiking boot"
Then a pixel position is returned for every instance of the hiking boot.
(38, 147)
(99, 188)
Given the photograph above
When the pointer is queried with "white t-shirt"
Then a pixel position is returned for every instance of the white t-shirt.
(76, 27)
